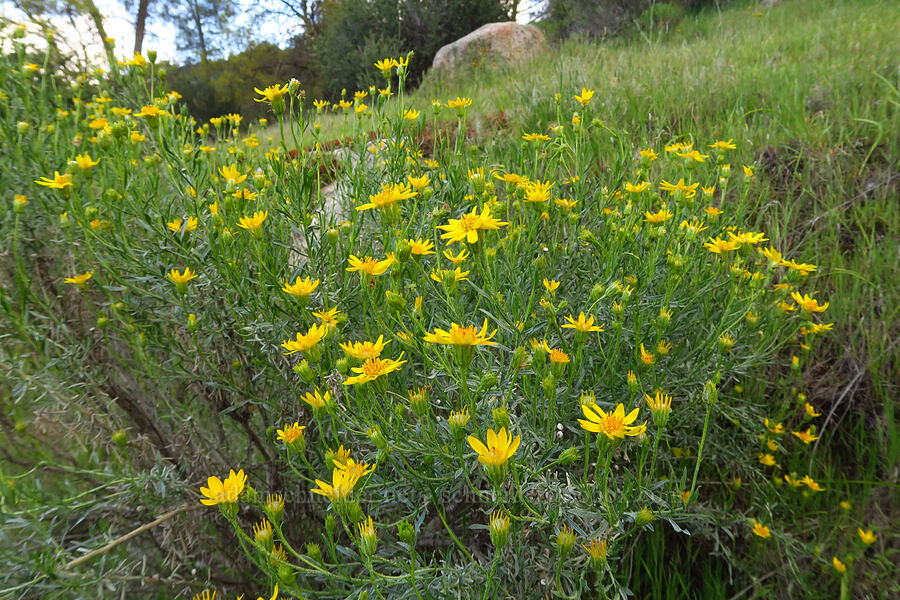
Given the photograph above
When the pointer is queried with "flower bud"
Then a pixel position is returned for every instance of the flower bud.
(499, 529)
(565, 541)
(569, 456)
(304, 371)
(501, 417)
(314, 552)
(120, 438)
(406, 533)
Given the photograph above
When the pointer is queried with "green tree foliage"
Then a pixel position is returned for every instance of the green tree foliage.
(356, 33)
(226, 85)
(202, 26)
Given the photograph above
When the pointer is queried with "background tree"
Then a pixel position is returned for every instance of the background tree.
(203, 26)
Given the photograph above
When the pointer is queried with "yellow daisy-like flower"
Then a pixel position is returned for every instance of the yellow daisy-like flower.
(693, 155)
(720, 145)
(559, 357)
(499, 449)
(364, 350)
(661, 216)
(807, 303)
(305, 342)
(317, 400)
(342, 484)
(582, 324)
(291, 433)
(300, 287)
(614, 425)
(773, 427)
(811, 484)
(271, 93)
(421, 247)
(458, 258)
(457, 273)
(59, 182)
(353, 468)
(807, 437)
(176, 224)
(535, 137)
(802, 268)
(585, 97)
(839, 566)
(632, 188)
(466, 228)
(419, 183)
(462, 336)
(85, 162)
(179, 278)
(369, 265)
(329, 317)
(766, 459)
(79, 279)
(254, 222)
(374, 368)
(761, 530)
(231, 174)
(689, 190)
(647, 357)
(811, 410)
(459, 103)
(223, 492)
(390, 194)
(717, 245)
(868, 536)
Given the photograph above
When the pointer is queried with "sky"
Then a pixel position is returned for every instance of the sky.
(77, 34)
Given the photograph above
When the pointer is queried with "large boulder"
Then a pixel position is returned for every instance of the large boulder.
(509, 41)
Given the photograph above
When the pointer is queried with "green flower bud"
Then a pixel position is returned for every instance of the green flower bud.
(569, 456)
(406, 533)
(501, 417)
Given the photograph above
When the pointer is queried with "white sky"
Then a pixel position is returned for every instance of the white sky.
(78, 35)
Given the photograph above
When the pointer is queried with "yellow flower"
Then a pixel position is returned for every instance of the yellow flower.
(374, 368)
(459, 103)
(457, 273)
(329, 317)
(420, 247)
(761, 530)
(811, 410)
(649, 154)
(717, 245)
(59, 182)
(689, 190)
(341, 486)
(806, 437)
(499, 449)
(254, 222)
(462, 336)
(411, 114)
(559, 357)
(466, 228)
(151, 111)
(712, 211)
(838, 565)
(85, 162)
(597, 552)
(551, 285)
(537, 192)
(457, 258)
(316, 400)
(582, 324)
(693, 155)
(766, 459)
(661, 216)
(534, 137)
(351, 467)
(811, 484)
(292, 436)
(458, 418)
(660, 405)
(808, 303)
(418, 182)
(803, 269)
(647, 357)
(364, 350)
(176, 224)
(585, 97)
(369, 265)
(271, 93)
(773, 427)
(632, 188)
(390, 194)
(179, 278)
(231, 174)
(720, 145)
(385, 65)
(368, 540)
(868, 536)
(300, 287)
(79, 279)
(614, 425)
(305, 342)
(748, 171)
(223, 492)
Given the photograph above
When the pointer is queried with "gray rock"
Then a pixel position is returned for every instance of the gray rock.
(509, 41)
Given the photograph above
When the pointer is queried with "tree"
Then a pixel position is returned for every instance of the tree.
(202, 26)
(37, 8)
